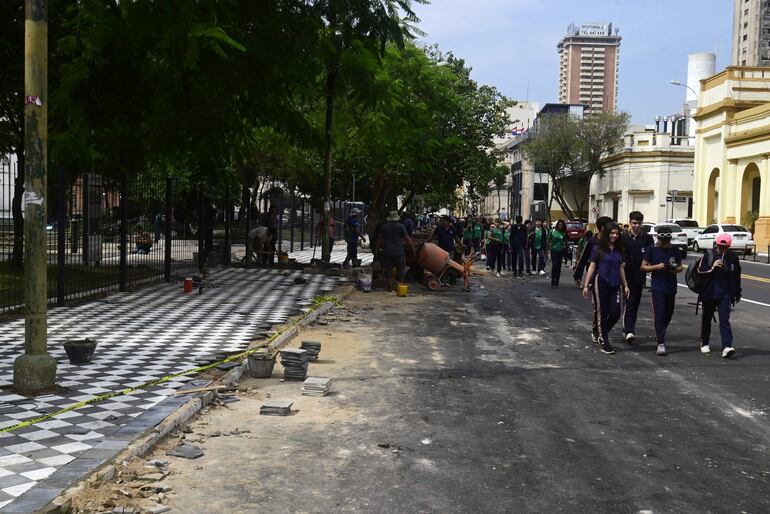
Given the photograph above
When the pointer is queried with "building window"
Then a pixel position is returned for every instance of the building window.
(743, 62)
(746, 12)
(745, 37)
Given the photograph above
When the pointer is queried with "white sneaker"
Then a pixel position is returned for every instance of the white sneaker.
(728, 352)
(542, 273)
(630, 337)
(705, 349)
(498, 274)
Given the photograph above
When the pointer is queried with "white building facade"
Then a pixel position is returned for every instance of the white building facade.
(652, 174)
(8, 171)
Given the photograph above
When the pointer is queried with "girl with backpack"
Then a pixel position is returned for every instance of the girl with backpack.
(607, 270)
(664, 262)
(719, 273)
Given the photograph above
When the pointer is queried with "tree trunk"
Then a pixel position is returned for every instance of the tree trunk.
(17, 255)
(331, 91)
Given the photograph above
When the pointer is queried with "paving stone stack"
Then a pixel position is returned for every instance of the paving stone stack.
(276, 408)
(294, 362)
(313, 349)
(317, 386)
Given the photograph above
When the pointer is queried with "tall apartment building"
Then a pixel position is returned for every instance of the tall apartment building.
(589, 63)
(751, 33)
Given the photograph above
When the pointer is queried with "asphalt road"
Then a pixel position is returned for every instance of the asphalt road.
(497, 401)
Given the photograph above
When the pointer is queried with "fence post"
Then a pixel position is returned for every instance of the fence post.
(85, 207)
(280, 223)
(61, 228)
(247, 213)
(227, 225)
(201, 221)
(123, 285)
(168, 229)
(302, 226)
(292, 219)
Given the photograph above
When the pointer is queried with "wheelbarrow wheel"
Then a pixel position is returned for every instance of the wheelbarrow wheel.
(433, 283)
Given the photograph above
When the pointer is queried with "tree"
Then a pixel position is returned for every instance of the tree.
(570, 150)
(353, 29)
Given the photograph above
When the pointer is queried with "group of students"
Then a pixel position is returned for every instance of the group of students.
(519, 247)
(616, 262)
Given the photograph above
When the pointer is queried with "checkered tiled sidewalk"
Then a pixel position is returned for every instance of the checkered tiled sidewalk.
(142, 336)
(338, 255)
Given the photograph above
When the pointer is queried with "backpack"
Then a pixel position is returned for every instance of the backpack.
(697, 281)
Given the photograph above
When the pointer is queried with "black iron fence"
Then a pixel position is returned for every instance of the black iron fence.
(117, 234)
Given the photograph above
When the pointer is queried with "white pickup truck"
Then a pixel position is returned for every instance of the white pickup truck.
(690, 227)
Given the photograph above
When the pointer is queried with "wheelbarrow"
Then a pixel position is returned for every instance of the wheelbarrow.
(436, 262)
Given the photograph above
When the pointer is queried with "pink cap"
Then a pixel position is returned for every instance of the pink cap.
(724, 240)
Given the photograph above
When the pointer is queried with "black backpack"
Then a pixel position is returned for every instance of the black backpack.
(697, 281)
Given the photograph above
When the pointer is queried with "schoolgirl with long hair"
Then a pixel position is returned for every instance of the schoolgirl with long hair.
(607, 275)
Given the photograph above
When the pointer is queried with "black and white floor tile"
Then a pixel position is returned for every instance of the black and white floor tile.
(141, 336)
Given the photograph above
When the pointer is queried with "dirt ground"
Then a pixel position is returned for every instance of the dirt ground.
(234, 435)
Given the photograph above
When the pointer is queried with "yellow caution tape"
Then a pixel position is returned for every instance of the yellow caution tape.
(317, 301)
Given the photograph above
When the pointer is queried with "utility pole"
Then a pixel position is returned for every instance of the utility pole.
(35, 370)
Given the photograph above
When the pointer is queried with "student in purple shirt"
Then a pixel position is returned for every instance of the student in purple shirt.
(664, 262)
(607, 271)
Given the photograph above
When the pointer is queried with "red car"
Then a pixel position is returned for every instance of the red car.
(575, 230)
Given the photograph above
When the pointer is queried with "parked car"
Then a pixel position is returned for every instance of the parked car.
(678, 236)
(690, 226)
(575, 230)
(742, 238)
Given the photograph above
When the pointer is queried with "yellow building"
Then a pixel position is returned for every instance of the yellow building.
(732, 150)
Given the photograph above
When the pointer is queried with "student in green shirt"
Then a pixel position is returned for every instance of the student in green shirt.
(468, 237)
(477, 233)
(539, 246)
(495, 247)
(507, 247)
(557, 239)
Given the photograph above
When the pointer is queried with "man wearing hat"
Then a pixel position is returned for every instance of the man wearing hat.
(722, 290)
(352, 236)
(391, 239)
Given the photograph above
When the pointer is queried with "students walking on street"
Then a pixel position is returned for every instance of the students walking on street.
(635, 244)
(495, 255)
(518, 243)
(557, 240)
(539, 245)
(664, 262)
(607, 272)
(722, 271)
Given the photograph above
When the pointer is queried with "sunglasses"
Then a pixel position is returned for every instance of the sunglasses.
(664, 235)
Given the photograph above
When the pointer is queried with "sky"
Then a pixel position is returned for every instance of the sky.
(511, 44)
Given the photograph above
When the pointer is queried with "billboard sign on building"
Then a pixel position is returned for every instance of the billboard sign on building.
(595, 29)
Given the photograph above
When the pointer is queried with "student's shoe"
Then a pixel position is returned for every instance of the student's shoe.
(594, 337)
(630, 337)
(705, 349)
(529, 273)
(607, 348)
(542, 273)
(661, 350)
(498, 274)
(728, 352)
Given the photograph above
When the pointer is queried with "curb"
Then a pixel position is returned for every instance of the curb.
(141, 446)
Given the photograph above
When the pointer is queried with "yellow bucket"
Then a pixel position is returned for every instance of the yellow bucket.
(401, 290)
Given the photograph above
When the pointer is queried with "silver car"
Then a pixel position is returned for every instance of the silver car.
(743, 240)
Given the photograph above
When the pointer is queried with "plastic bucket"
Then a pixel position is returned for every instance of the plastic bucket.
(80, 351)
(260, 367)
(402, 290)
(188, 285)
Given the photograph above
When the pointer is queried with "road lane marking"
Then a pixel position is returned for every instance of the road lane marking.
(743, 275)
(742, 299)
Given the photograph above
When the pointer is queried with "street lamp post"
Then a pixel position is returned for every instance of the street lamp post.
(677, 83)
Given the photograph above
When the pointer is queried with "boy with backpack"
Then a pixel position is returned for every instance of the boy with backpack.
(664, 262)
(717, 280)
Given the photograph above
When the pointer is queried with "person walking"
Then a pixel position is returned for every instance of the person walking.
(557, 240)
(507, 254)
(495, 255)
(468, 237)
(539, 246)
(635, 243)
(528, 245)
(352, 236)
(158, 226)
(392, 237)
(585, 256)
(722, 271)
(478, 233)
(607, 273)
(518, 242)
(445, 236)
(664, 262)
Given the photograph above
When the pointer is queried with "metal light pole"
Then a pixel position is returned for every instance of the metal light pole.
(35, 370)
